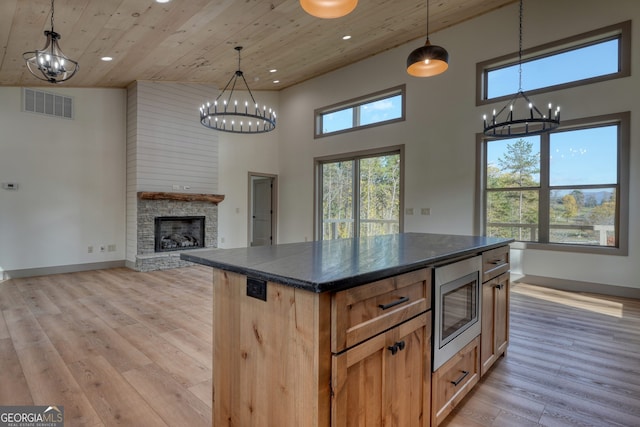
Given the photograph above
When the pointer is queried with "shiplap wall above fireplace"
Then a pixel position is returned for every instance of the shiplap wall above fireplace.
(168, 150)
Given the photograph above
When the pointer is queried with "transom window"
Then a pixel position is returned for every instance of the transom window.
(359, 194)
(567, 189)
(599, 55)
(376, 109)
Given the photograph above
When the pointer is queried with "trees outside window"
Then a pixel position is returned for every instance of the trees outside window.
(360, 195)
(567, 188)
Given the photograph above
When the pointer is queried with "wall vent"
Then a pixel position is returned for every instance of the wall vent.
(50, 104)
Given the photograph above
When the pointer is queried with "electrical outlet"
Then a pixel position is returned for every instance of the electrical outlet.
(111, 248)
(90, 249)
(408, 211)
(425, 211)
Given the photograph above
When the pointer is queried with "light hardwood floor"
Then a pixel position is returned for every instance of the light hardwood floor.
(114, 347)
(118, 347)
(573, 360)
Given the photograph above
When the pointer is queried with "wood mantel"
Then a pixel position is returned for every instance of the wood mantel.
(182, 197)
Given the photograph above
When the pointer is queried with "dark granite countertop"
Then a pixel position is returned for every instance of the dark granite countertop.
(333, 265)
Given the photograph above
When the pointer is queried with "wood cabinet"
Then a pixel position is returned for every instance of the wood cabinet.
(495, 307)
(385, 381)
(381, 337)
(453, 380)
(356, 357)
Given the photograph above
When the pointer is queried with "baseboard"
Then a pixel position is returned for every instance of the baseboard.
(44, 271)
(578, 286)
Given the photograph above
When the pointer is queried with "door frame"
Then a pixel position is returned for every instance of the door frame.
(274, 205)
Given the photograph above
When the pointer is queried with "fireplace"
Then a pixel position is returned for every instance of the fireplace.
(175, 233)
(198, 214)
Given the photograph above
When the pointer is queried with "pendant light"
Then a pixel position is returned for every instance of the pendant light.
(49, 63)
(428, 60)
(520, 117)
(227, 116)
(328, 9)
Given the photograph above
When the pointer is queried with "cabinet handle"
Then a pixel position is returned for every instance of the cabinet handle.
(399, 346)
(500, 286)
(497, 262)
(463, 376)
(394, 303)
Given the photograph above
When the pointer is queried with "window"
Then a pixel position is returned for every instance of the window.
(359, 194)
(561, 64)
(567, 189)
(372, 110)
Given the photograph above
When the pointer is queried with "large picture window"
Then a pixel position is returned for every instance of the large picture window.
(359, 194)
(567, 189)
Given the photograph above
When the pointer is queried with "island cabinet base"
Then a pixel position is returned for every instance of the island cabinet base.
(454, 380)
(271, 359)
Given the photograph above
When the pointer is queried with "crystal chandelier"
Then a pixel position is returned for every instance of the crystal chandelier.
(49, 63)
(227, 116)
(520, 117)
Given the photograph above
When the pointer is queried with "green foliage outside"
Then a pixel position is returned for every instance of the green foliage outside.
(379, 197)
(576, 216)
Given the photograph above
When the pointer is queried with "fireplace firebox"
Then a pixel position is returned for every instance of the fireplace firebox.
(175, 233)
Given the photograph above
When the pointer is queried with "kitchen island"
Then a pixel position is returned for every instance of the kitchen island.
(307, 334)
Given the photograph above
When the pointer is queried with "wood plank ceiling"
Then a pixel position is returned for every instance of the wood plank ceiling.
(193, 40)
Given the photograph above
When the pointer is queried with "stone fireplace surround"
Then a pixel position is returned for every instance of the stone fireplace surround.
(151, 205)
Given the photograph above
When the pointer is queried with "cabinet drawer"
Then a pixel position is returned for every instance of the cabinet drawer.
(495, 262)
(364, 311)
(453, 380)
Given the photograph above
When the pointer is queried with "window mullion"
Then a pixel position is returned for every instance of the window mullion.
(544, 195)
(356, 198)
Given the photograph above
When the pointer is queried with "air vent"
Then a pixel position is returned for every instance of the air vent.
(50, 104)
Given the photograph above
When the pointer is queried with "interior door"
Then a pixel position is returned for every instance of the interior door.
(261, 211)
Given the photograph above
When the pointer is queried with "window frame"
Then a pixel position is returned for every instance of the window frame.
(621, 31)
(623, 121)
(356, 103)
(354, 156)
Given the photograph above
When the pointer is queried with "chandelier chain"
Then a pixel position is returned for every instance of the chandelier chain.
(520, 51)
(52, 16)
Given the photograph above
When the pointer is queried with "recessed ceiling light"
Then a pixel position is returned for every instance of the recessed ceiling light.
(276, 81)
(346, 37)
(106, 58)
(273, 70)
(163, 1)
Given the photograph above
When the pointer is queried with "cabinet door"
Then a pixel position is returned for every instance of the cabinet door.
(501, 327)
(385, 381)
(487, 348)
(495, 320)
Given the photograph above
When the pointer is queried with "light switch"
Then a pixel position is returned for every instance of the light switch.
(10, 185)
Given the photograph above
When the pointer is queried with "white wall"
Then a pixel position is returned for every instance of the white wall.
(442, 120)
(239, 155)
(71, 177)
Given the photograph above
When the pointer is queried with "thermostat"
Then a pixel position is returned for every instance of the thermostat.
(10, 185)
